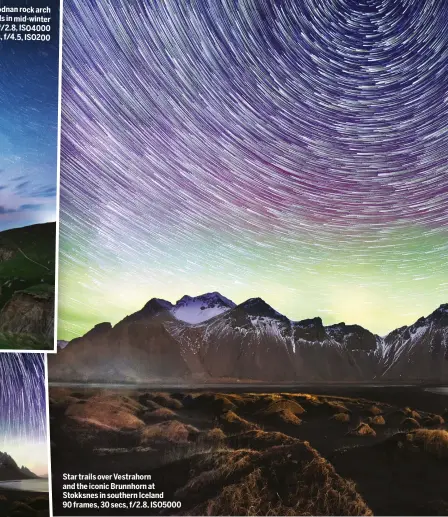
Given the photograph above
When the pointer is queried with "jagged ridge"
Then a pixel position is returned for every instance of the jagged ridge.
(210, 337)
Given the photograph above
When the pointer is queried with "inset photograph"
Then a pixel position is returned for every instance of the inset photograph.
(24, 448)
(29, 97)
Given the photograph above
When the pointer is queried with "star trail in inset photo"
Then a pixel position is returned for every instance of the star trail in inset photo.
(29, 125)
(293, 151)
(23, 416)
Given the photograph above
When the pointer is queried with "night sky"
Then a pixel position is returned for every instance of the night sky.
(23, 410)
(28, 127)
(295, 151)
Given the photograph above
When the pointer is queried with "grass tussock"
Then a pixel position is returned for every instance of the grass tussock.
(161, 399)
(115, 412)
(159, 415)
(285, 480)
(231, 422)
(433, 441)
(281, 405)
(241, 399)
(287, 417)
(215, 403)
(182, 452)
(410, 423)
(375, 410)
(282, 411)
(396, 417)
(411, 413)
(271, 397)
(150, 404)
(116, 400)
(259, 440)
(376, 420)
(433, 420)
(306, 399)
(215, 435)
(337, 406)
(363, 429)
(341, 417)
(172, 431)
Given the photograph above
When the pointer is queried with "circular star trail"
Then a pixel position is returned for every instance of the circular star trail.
(295, 151)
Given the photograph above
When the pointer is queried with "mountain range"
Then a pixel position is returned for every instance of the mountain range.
(209, 338)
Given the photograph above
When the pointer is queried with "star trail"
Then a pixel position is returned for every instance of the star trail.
(29, 126)
(23, 410)
(294, 151)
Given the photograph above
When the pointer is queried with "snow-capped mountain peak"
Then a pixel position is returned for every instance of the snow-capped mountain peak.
(197, 309)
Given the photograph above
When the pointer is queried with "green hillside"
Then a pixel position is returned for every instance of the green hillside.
(27, 267)
(30, 259)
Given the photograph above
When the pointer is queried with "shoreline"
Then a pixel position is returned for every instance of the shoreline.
(4, 488)
(242, 385)
(419, 397)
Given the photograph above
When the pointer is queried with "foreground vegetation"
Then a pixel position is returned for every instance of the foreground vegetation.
(255, 453)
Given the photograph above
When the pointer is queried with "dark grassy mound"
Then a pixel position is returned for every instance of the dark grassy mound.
(279, 480)
(215, 403)
(432, 441)
(362, 429)
(16, 503)
(410, 423)
(403, 475)
(341, 417)
(231, 422)
(259, 440)
(157, 400)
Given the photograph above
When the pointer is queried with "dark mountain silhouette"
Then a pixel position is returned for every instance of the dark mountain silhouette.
(10, 471)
